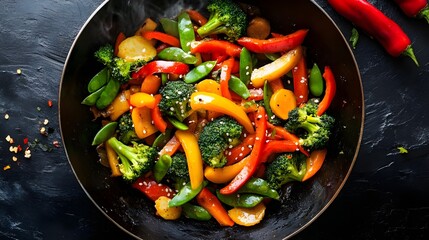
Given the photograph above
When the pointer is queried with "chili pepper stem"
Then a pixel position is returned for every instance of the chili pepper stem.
(410, 53)
(424, 13)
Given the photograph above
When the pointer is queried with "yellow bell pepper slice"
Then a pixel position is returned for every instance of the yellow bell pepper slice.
(282, 102)
(141, 99)
(209, 85)
(214, 102)
(119, 106)
(224, 174)
(193, 156)
(277, 68)
(143, 122)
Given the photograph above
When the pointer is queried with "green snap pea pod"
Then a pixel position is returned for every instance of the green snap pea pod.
(185, 194)
(161, 167)
(178, 124)
(239, 87)
(177, 54)
(186, 31)
(109, 93)
(162, 139)
(195, 212)
(259, 186)
(246, 200)
(272, 56)
(169, 26)
(267, 97)
(246, 65)
(199, 72)
(315, 82)
(99, 80)
(92, 98)
(164, 78)
(104, 133)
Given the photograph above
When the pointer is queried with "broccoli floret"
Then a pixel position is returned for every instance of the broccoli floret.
(135, 160)
(175, 99)
(226, 17)
(286, 168)
(126, 132)
(216, 137)
(317, 129)
(105, 54)
(178, 171)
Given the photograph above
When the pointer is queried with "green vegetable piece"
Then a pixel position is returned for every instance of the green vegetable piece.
(186, 31)
(315, 81)
(99, 80)
(92, 98)
(402, 150)
(195, 212)
(199, 72)
(246, 66)
(164, 78)
(185, 194)
(178, 124)
(177, 54)
(244, 200)
(272, 56)
(161, 167)
(259, 186)
(267, 96)
(237, 86)
(354, 38)
(162, 139)
(169, 26)
(108, 95)
(104, 133)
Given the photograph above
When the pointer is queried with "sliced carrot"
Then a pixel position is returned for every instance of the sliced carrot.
(151, 84)
(171, 147)
(314, 163)
(282, 102)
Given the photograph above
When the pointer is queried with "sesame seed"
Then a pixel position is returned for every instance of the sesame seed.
(45, 122)
(14, 159)
(6, 116)
(19, 71)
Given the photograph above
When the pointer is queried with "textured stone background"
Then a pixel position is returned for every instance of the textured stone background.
(385, 197)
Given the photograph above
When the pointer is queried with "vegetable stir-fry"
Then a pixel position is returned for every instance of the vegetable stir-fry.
(209, 120)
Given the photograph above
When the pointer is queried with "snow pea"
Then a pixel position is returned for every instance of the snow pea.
(104, 133)
(169, 26)
(267, 97)
(239, 87)
(186, 31)
(272, 56)
(199, 72)
(245, 200)
(164, 78)
(161, 167)
(99, 80)
(109, 93)
(92, 98)
(246, 65)
(178, 124)
(259, 186)
(195, 212)
(177, 54)
(186, 194)
(162, 139)
(315, 81)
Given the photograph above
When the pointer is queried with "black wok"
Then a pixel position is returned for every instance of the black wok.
(301, 204)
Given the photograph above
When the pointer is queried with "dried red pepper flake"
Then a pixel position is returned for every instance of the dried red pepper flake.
(25, 140)
(56, 144)
(49, 103)
(19, 148)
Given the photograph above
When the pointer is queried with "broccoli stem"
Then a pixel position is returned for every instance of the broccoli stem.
(210, 26)
(309, 127)
(124, 150)
(313, 119)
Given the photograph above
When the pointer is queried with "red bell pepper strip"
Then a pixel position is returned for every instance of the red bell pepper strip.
(277, 146)
(330, 89)
(196, 17)
(152, 189)
(314, 163)
(156, 116)
(171, 147)
(280, 131)
(163, 37)
(211, 203)
(161, 66)
(415, 8)
(275, 44)
(256, 94)
(366, 16)
(300, 82)
(225, 75)
(240, 151)
(221, 47)
(121, 37)
(252, 164)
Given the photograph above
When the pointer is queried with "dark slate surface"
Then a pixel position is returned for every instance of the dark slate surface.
(386, 196)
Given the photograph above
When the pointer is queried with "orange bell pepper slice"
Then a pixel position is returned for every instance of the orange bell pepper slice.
(141, 99)
(224, 174)
(314, 163)
(143, 122)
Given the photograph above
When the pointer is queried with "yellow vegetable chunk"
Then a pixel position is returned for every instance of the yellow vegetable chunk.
(136, 48)
(224, 174)
(209, 85)
(142, 99)
(119, 105)
(166, 212)
(143, 122)
(282, 102)
(247, 216)
(277, 68)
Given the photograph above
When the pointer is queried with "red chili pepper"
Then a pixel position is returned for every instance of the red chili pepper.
(152, 189)
(240, 151)
(275, 44)
(277, 146)
(211, 203)
(414, 8)
(330, 89)
(254, 160)
(156, 116)
(280, 131)
(216, 46)
(300, 82)
(161, 66)
(163, 37)
(376, 24)
(225, 75)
